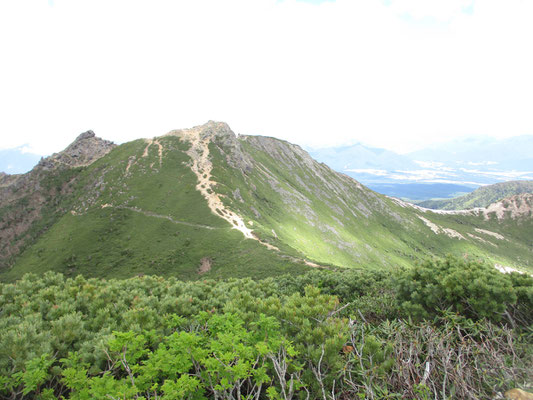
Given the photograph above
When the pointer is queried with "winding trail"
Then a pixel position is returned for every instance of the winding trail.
(151, 214)
(159, 151)
(202, 167)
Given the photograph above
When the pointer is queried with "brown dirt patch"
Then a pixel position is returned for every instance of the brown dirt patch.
(205, 265)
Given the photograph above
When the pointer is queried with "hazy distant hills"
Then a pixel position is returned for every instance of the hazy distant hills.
(512, 153)
(482, 197)
(358, 156)
(443, 171)
(206, 202)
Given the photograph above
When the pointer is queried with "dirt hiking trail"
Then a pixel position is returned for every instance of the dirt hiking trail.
(202, 167)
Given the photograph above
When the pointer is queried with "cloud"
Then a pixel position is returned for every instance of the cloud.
(371, 171)
(314, 74)
(442, 10)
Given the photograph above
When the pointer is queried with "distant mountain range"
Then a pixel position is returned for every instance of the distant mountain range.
(442, 171)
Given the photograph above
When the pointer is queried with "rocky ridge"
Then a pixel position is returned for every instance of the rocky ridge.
(24, 197)
(86, 149)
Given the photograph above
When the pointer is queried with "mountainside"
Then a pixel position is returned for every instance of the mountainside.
(33, 202)
(204, 202)
(482, 197)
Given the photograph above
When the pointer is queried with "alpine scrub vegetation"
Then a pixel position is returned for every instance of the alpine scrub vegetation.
(321, 335)
(471, 288)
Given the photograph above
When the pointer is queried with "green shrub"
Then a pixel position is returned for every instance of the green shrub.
(522, 312)
(469, 287)
(78, 338)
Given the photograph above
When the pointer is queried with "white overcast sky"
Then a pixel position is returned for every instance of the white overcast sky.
(397, 74)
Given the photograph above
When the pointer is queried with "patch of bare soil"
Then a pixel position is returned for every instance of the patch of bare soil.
(205, 265)
(439, 229)
(148, 144)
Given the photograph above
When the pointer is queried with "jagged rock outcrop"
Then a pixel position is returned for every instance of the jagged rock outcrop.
(86, 149)
(514, 207)
(24, 197)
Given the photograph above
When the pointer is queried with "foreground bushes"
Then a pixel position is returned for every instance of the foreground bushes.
(471, 288)
(349, 334)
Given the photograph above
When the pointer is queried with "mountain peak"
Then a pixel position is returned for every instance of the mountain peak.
(217, 125)
(213, 128)
(85, 135)
(164, 205)
(84, 150)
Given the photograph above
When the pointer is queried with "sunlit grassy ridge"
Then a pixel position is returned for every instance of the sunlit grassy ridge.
(293, 200)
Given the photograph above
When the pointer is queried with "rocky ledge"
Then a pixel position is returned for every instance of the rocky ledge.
(86, 149)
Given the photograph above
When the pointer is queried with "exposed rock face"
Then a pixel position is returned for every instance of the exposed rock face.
(86, 149)
(23, 197)
(514, 207)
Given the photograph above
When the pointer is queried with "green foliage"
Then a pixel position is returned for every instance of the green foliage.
(320, 333)
(165, 335)
(523, 288)
(371, 292)
(219, 357)
(35, 373)
(471, 288)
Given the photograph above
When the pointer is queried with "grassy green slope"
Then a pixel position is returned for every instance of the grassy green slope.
(149, 220)
(137, 210)
(507, 241)
(481, 197)
(304, 207)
